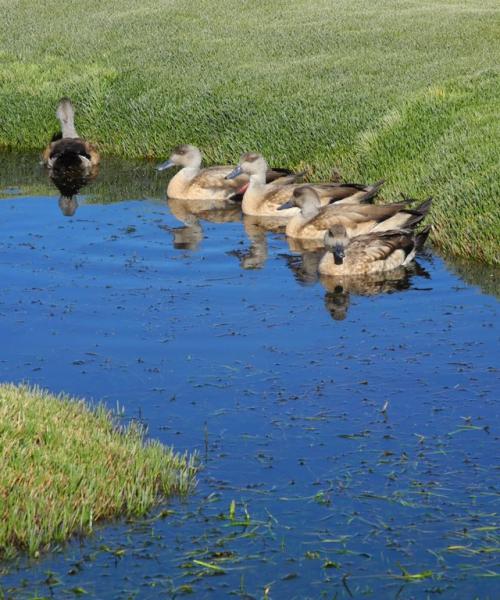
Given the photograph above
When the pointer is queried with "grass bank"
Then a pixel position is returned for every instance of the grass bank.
(404, 90)
(66, 466)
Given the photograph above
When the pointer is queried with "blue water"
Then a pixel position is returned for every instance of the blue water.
(283, 403)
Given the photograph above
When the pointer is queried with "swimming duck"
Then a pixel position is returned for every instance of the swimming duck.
(194, 183)
(314, 220)
(67, 149)
(369, 253)
(263, 199)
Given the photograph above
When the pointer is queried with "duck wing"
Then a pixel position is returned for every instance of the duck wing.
(350, 215)
(283, 176)
(68, 152)
(373, 247)
(348, 192)
(406, 218)
(214, 178)
(276, 194)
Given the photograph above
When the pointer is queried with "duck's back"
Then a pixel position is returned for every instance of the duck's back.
(357, 219)
(380, 251)
(214, 178)
(68, 152)
(372, 253)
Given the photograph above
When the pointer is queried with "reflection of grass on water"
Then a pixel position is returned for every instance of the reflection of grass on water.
(66, 466)
(473, 273)
(117, 180)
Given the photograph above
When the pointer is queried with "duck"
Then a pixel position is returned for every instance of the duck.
(67, 149)
(263, 199)
(369, 253)
(313, 220)
(210, 183)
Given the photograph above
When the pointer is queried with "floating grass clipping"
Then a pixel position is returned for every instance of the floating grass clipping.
(66, 466)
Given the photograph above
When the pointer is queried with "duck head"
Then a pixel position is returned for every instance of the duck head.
(251, 164)
(337, 303)
(336, 241)
(182, 156)
(305, 198)
(68, 205)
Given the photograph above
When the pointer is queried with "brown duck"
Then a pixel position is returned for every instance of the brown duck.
(193, 182)
(264, 199)
(67, 148)
(369, 253)
(313, 220)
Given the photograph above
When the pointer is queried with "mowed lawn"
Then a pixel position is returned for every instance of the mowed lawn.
(405, 90)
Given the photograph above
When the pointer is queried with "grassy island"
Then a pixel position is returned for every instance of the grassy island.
(407, 91)
(66, 466)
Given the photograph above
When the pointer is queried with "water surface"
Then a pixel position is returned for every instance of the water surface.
(353, 428)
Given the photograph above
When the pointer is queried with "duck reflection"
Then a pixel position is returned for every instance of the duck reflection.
(69, 178)
(257, 229)
(189, 236)
(305, 260)
(192, 212)
(304, 266)
(339, 289)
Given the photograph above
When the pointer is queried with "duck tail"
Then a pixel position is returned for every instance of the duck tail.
(421, 237)
(367, 193)
(418, 214)
(362, 187)
(66, 115)
(424, 208)
(372, 190)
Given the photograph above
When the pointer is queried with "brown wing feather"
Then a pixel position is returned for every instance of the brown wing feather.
(353, 226)
(215, 178)
(95, 157)
(370, 211)
(73, 145)
(277, 194)
(379, 246)
(354, 213)
(46, 153)
(283, 176)
(336, 191)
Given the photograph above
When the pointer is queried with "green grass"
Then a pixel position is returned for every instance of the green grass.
(66, 466)
(406, 90)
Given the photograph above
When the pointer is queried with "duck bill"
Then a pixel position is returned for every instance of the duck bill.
(235, 172)
(165, 165)
(338, 254)
(286, 205)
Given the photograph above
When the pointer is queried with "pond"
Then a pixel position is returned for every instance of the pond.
(347, 434)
